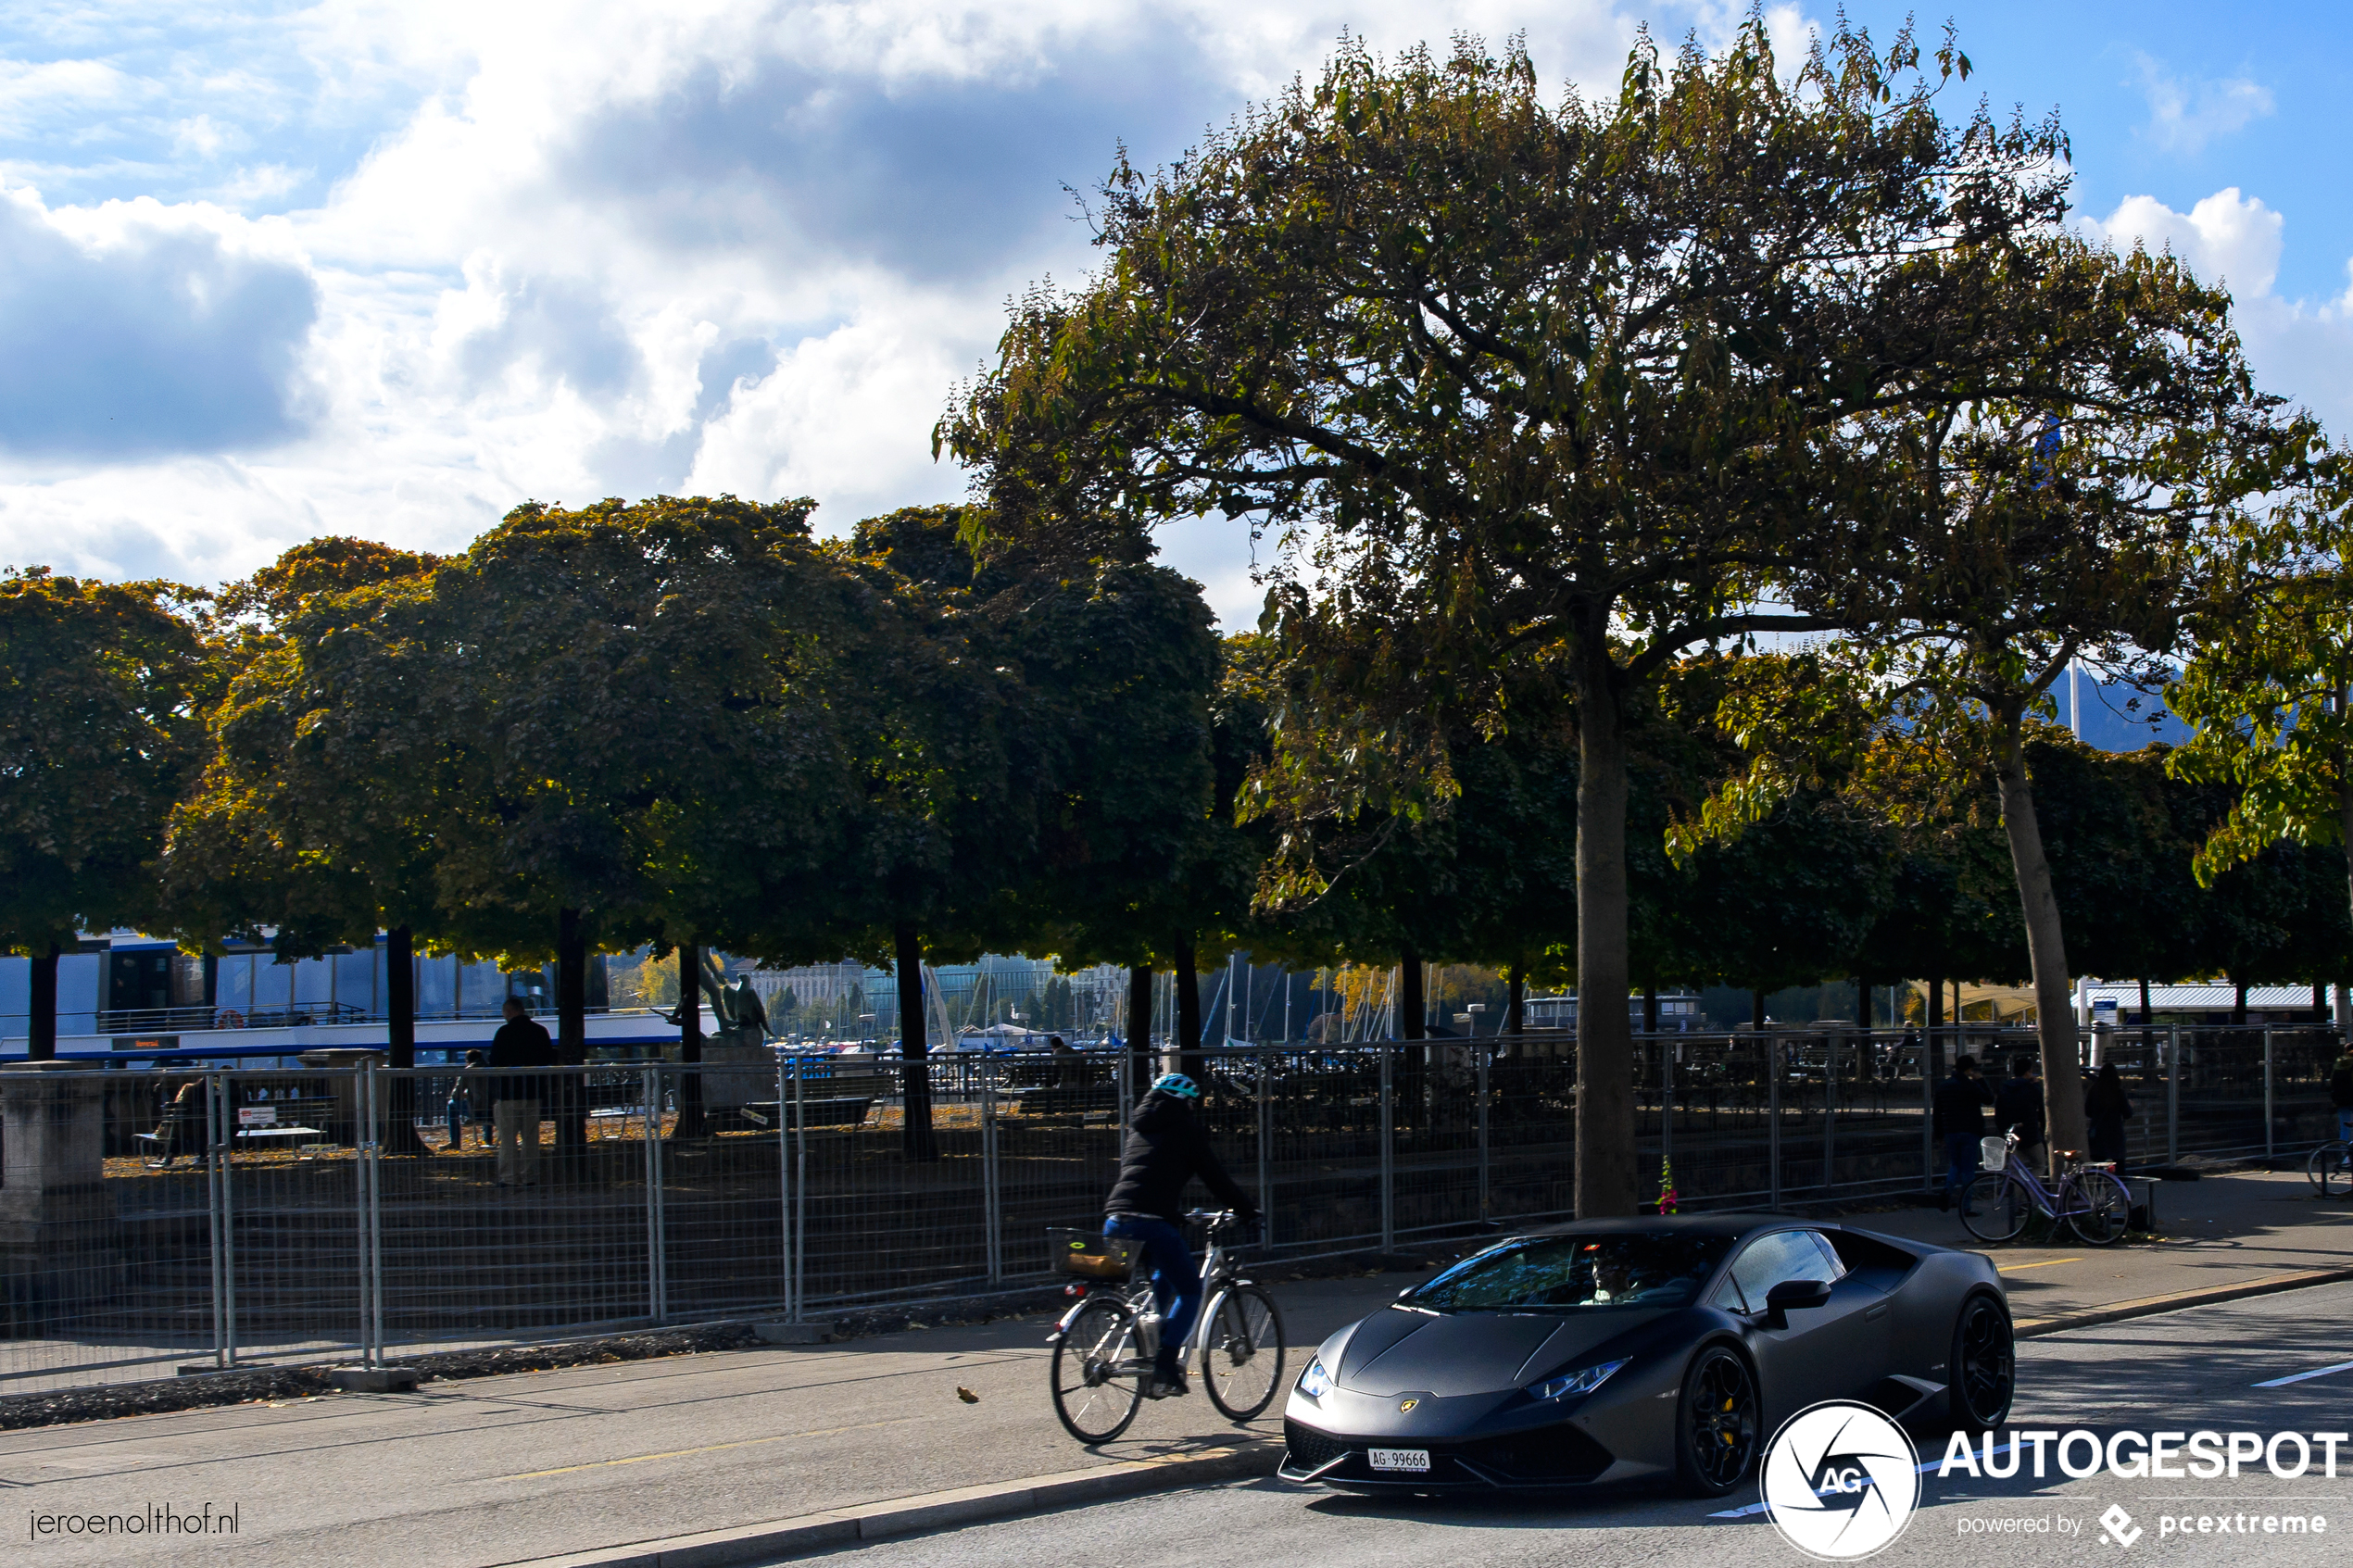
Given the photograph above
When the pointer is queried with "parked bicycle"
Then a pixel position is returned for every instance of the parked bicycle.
(1996, 1204)
(1105, 1344)
(2331, 1167)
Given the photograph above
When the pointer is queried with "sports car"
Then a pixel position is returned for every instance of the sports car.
(1665, 1348)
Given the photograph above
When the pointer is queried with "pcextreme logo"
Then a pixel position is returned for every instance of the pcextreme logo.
(1840, 1481)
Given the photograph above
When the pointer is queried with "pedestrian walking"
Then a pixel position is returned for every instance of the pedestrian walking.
(2107, 1107)
(515, 1101)
(2017, 1107)
(1959, 1111)
(461, 1105)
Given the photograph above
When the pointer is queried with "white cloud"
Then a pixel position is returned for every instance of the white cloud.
(565, 251)
(2301, 350)
(2183, 116)
(2228, 237)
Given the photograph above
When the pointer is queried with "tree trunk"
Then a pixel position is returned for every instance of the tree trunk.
(1756, 1010)
(692, 1122)
(1650, 1009)
(41, 1026)
(2238, 1003)
(1515, 1006)
(2045, 946)
(1413, 1004)
(1139, 1030)
(571, 1033)
(401, 1037)
(915, 1136)
(1187, 1040)
(1605, 1123)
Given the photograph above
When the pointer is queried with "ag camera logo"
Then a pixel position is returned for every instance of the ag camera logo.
(1840, 1481)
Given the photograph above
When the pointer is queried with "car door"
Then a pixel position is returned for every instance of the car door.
(1835, 1351)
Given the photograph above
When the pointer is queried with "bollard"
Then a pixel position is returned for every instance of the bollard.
(1387, 1162)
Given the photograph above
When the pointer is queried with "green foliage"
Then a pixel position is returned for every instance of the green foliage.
(102, 688)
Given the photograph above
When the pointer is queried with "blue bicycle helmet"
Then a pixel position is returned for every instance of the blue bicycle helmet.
(1177, 1084)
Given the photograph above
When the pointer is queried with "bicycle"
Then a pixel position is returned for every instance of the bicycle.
(1105, 1344)
(2331, 1167)
(1995, 1204)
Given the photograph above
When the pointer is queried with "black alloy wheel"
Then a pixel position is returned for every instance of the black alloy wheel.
(1983, 1371)
(1716, 1423)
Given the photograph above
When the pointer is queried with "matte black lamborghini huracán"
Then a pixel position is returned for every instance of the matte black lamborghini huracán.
(1613, 1350)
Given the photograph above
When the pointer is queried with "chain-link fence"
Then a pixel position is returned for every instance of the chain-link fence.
(209, 1219)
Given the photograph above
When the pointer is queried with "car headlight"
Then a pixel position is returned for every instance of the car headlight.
(1569, 1382)
(1314, 1382)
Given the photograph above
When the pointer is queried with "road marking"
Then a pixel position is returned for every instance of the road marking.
(710, 1448)
(1826, 1490)
(2047, 1263)
(2298, 1377)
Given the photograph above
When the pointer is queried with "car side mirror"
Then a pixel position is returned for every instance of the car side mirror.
(1793, 1293)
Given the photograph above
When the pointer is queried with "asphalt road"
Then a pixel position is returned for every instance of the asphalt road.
(2184, 1371)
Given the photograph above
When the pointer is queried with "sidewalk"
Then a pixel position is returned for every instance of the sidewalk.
(498, 1470)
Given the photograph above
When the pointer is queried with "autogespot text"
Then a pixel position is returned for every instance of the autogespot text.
(2132, 1456)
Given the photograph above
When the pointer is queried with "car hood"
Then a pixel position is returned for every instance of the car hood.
(1399, 1351)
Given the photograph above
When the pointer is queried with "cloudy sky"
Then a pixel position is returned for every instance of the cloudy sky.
(386, 269)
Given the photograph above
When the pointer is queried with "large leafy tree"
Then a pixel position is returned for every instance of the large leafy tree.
(2270, 688)
(102, 692)
(2048, 518)
(312, 823)
(1506, 380)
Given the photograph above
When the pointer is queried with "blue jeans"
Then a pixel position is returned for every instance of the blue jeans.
(1176, 1277)
(1960, 1160)
(2345, 1124)
(460, 1113)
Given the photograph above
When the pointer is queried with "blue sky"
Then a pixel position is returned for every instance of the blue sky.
(387, 267)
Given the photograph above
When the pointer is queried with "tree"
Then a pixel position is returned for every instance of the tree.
(2048, 518)
(1506, 382)
(102, 687)
(313, 822)
(2269, 692)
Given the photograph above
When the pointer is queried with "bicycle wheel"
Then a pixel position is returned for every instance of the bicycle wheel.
(2327, 1167)
(1994, 1206)
(1241, 1363)
(1099, 1377)
(2098, 1207)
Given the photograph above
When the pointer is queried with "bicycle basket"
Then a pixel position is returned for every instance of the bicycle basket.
(1993, 1153)
(1090, 1255)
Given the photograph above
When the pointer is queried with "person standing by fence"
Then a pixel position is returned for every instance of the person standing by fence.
(514, 1102)
(2106, 1108)
(2341, 1093)
(1960, 1122)
(2018, 1104)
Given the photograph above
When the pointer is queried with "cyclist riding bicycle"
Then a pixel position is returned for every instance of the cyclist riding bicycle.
(1167, 1147)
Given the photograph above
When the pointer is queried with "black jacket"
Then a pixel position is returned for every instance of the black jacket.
(1167, 1147)
(2104, 1106)
(2341, 1083)
(523, 1043)
(2018, 1103)
(1960, 1106)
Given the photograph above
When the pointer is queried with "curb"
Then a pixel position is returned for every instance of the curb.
(930, 1510)
(2149, 1306)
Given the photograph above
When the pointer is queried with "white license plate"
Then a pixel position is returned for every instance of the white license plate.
(1416, 1460)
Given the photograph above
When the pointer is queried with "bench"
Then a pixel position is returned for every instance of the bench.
(839, 1111)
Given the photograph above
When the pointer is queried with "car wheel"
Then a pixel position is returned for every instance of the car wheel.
(1716, 1426)
(1982, 1369)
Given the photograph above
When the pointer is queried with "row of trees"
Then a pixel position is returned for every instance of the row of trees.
(1551, 417)
(1534, 403)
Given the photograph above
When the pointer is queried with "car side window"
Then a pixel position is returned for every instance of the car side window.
(1769, 1259)
(1727, 1297)
(1832, 1263)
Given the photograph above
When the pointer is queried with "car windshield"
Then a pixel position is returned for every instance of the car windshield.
(1563, 1273)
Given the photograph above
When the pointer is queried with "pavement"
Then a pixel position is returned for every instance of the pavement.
(2194, 1369)
(535, 1466)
